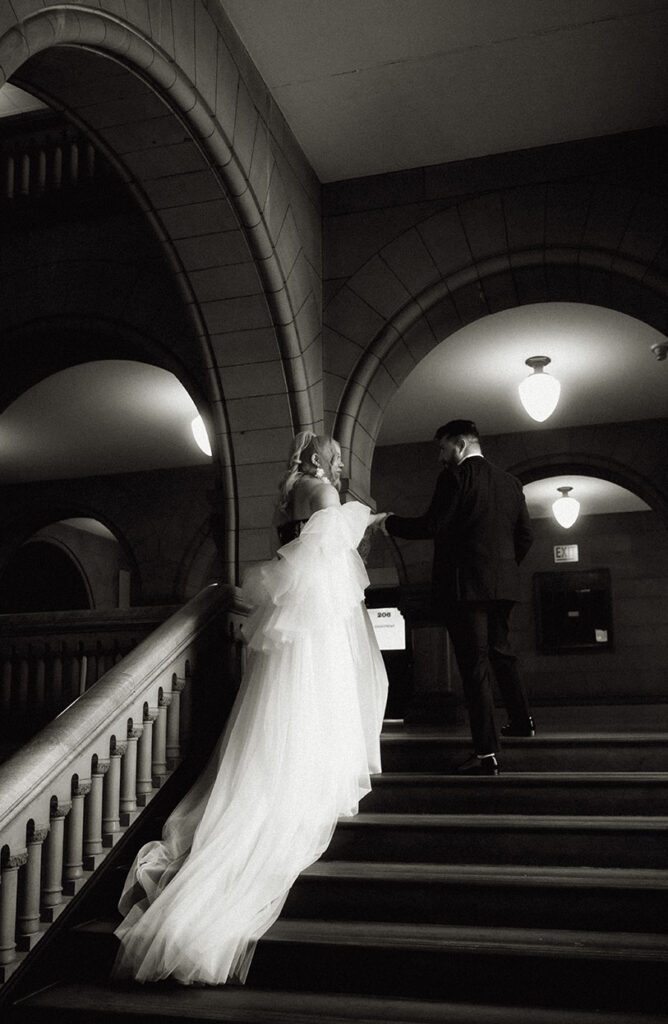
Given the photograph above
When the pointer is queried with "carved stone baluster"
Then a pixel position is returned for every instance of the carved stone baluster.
(41, 170)
(69, 674)
(94, 852)
(159, 768)
(73, 869)
(185, 711)
(111, 798)
(28, 929)
(25, 173)
(57, 167)
(145, 758)
(74, 163)
(56, 702)
(52, 885)
(74, 675)
(82, 680)
(10, 172)
(129, 778)
(8, 904)
(173, 748)
(39, 692)
(22, 692)
(6, 689)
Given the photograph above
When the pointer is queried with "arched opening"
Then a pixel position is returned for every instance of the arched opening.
(42, 577)
(605, 439)
(112, 440)
(204, 173)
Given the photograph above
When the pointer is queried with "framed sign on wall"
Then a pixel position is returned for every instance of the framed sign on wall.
(573, 611)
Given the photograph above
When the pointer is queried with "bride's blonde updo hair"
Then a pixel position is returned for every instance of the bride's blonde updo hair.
(304, 447)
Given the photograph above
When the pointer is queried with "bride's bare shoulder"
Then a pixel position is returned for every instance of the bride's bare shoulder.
(315, 492)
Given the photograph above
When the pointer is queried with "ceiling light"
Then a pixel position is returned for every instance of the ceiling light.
(200, 435)
(539, 393)
(565, 509)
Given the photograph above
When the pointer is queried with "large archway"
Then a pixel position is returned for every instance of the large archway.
(42, 577)
(204, 166)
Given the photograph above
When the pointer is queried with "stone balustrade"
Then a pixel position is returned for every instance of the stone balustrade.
(48, 659)
(46, 157)
(68, 795)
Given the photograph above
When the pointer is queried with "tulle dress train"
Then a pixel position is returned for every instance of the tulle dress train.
(295, 756)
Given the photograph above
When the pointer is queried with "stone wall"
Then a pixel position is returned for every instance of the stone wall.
(633, 546)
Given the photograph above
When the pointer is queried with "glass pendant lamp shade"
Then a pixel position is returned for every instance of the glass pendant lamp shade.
(200, 435)
(539, 393)
(565, 510)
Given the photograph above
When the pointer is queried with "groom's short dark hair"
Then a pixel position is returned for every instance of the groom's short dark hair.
(458, 428)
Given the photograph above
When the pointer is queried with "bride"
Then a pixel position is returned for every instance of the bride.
(295, 755)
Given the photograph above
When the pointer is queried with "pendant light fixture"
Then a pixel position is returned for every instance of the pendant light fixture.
(200, 435)
(565, 509)
(539, 393)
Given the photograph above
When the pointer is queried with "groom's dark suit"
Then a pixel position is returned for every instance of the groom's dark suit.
(481, 529)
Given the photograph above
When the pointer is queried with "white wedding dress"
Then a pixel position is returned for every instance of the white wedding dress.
(296, 754)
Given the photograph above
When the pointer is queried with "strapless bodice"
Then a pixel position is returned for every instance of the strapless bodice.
(290, 530)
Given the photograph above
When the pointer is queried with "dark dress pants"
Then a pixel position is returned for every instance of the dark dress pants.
(479, 634)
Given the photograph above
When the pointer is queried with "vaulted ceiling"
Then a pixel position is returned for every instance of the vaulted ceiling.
(381, 85)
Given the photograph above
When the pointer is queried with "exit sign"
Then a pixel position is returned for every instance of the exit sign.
(566, 553)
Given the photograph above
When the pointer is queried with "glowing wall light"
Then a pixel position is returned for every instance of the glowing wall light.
(539, 393)
(200, 435)
(565, 510)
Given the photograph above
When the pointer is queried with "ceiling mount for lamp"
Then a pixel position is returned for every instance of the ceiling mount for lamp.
(660, 350)
(566, 509)
(539, 393)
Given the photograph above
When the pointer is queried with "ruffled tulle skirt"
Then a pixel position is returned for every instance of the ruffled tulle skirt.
(296, 755)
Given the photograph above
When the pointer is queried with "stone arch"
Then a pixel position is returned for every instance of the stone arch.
(462, 297)
(582, 234)
(639, 479)
(181, 84)
(26, 521)
(25, 575)
(82, 339)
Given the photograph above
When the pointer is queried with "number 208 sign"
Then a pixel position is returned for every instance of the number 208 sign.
(390, 628)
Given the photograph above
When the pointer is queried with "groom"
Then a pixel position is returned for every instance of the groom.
(481, 529)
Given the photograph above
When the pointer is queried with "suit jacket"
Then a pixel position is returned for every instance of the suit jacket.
(481, 529)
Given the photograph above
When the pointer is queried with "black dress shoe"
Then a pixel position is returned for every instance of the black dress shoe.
(528, 728)
(487, 765)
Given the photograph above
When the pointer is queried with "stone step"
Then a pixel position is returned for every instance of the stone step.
(593, 899)
(570, 968)
(559, 968)
(154, 1004)
(591, 793)
(513, 839)
(441, 752)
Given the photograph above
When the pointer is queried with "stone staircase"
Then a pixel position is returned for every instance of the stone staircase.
(538, 897)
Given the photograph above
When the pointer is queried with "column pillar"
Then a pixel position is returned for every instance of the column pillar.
(94, 852)
(73, 873)
(111, 797)
(28, 918)
(40, 685)
(6, 689)
(144, 758)
(128, 803)
(159, 769)
(8, 903)
(52, 887)
(173, 748)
